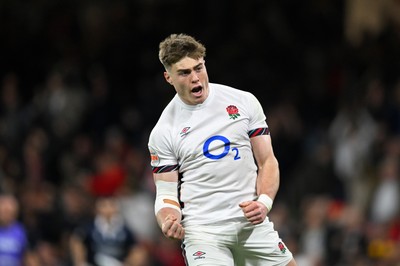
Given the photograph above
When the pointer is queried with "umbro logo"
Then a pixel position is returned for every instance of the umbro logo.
(199, 255)
(184, 131)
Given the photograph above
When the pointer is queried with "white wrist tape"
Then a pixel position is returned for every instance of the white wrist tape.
(266, 200)
(166, 196)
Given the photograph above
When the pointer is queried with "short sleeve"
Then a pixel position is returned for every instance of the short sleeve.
(161, 150)
(256, 114)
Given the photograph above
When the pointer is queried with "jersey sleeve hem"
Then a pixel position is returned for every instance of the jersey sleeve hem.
(258, 131)
(165, 168)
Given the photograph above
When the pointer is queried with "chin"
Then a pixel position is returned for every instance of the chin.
(200, 100)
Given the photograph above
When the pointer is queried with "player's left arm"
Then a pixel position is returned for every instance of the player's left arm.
(268, 167)
(267, 180)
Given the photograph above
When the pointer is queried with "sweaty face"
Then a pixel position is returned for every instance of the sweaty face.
(190, 80)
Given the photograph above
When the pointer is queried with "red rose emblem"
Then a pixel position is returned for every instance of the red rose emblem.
(233, 111)
(282, 247)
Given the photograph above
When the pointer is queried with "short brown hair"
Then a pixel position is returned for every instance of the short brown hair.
(177, 46)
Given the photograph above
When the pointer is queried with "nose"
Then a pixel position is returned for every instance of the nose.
(195, 77)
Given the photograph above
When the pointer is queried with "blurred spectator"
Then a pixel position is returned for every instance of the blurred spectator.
(134, 203)
(314, 175)
(61, 105)
(353, 134)
(76, 160)
(381, 249)
(109, 175)
(14, 246)
(42, 217)
(10, 169)
(385, 201)
(102, 110)
(35, 146)
(313, 231)
(393, 120)
(364, 19)
(368, 18)
(11, 118)
(353, 242)
(106, 240)
(76, 205)
(167, 252)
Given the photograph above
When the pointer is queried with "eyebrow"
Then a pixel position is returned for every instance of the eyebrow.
(188, 69)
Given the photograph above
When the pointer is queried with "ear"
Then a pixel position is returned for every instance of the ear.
(167, 77)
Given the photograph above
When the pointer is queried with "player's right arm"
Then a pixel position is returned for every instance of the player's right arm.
(167, 207)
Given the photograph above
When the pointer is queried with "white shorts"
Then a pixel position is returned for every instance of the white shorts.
(236, 243)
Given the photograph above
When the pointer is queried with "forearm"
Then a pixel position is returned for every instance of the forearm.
(78, 252)
(167, 207)
(268, 178)
(138, 255)
(267, 186)
(167, 202)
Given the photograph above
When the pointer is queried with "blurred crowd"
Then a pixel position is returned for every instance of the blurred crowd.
(81, 88)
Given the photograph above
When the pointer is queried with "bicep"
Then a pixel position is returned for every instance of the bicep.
(262, 149)
(166, 176)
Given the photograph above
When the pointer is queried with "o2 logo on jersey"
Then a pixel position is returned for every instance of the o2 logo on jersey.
(227, 148)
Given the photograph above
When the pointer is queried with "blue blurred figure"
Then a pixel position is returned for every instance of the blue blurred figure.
(13, 238)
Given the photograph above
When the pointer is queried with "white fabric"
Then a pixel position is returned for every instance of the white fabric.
(266, 200)
(217, 173)
(140, 204)
(249, 245)
(109, 228)
(385, 205)
(166, 191)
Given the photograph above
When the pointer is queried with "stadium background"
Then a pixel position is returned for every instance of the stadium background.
(82, 87)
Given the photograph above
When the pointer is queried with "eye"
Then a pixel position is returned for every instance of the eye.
(198, 68)
(184, 73)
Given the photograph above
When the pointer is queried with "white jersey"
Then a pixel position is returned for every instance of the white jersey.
(209, 144)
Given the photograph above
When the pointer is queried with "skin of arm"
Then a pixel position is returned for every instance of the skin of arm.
(78, 251)
(267, 178)
(137, 255)
(169, 219)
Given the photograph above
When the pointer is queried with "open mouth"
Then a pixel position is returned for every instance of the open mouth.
(197, 90)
